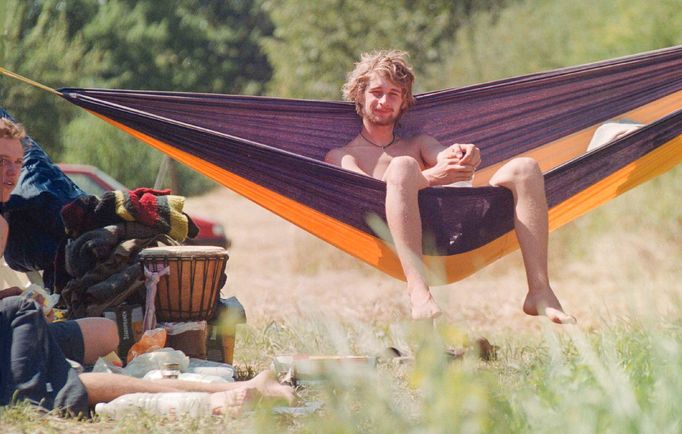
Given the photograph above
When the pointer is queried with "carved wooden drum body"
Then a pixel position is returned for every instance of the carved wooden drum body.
(190, 291)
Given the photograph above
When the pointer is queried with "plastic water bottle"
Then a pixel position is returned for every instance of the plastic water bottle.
(194, 404)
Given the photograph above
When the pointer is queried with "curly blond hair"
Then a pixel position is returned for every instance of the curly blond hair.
(391, 64)
(11, 130)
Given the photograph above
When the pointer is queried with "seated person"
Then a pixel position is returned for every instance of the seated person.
(33, 367)
(381, 88)
(83, 340)
(33, 353)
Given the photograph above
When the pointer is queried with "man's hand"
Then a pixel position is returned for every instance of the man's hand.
(9, 292)
(453, 164)
(467, 154)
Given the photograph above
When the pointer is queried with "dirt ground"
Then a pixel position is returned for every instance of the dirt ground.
(280, 272)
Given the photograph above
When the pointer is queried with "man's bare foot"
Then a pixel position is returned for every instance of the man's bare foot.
(262, 386)
(268, 387)
(231, 402)
(423, 305)
(544, 302)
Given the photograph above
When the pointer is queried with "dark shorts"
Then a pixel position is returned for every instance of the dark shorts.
(32, 364)
(69, 338)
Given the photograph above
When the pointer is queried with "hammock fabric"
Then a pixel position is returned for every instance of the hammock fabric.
(271, 151)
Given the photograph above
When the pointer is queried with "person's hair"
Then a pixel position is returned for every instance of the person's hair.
(391, 64)
(11, 130)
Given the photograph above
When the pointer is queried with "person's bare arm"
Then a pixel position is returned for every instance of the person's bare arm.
(339, 157)
(429, 149)
(446, 165)
(10, 292)
(4, 232)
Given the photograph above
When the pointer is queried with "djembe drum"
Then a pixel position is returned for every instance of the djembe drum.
(190, 291)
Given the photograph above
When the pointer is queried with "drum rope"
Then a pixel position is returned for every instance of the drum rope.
(151, 282)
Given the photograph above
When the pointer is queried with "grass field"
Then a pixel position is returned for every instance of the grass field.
(619, 370)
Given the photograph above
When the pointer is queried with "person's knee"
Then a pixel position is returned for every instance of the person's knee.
(109, 336)
(402, 169)
(110, 330)
(100, 336)
(522, 169)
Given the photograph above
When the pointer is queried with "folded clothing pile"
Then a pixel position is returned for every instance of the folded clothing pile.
(98, 266)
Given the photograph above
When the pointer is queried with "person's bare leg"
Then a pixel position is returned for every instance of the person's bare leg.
(100, 337)
(523, 177)
(264, 385)
(105, 387)
(403, 182)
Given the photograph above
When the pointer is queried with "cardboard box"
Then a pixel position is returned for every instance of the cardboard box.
(189, 337)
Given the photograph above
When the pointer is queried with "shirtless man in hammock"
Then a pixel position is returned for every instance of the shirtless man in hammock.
(381, 88)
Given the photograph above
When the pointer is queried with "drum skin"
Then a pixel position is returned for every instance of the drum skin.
(190, 291)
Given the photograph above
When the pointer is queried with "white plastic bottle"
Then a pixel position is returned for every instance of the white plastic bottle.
(194, 404)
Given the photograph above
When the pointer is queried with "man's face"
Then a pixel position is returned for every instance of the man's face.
(383, 100)
(11, 159)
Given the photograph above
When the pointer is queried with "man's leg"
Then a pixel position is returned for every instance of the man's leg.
(84, 340)
(100, 337)
(523, 177)
(403, 182)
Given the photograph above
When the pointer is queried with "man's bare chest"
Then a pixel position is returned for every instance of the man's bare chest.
(375, 162)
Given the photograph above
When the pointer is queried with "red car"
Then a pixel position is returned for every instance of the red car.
(95, 182)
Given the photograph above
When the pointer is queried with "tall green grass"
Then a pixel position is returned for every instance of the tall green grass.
(624, 378)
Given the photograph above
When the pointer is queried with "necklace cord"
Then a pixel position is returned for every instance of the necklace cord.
(378, 145)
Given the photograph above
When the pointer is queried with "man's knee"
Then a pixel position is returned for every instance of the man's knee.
(522, 169)
(110, 333)
(100, 335)
(402, 169)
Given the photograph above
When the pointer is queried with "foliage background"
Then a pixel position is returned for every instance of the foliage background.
(288, 48)
(617, 268)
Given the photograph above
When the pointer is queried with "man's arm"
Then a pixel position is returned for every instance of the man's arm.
(9, 292)
(446, 165)
(4, 232)
(339, 157)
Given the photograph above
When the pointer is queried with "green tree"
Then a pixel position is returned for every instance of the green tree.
(36, 43)
(316, 43)
(180, 45)
(537, 35)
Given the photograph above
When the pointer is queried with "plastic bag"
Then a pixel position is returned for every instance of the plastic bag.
(156, 360)
(151, 340)
(210, 368)
(46, 300)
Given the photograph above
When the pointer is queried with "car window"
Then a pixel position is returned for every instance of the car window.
(87, 184)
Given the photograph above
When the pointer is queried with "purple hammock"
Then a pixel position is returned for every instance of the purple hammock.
(271, 150)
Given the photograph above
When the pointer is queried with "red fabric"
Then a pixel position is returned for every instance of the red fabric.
(143, 204)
